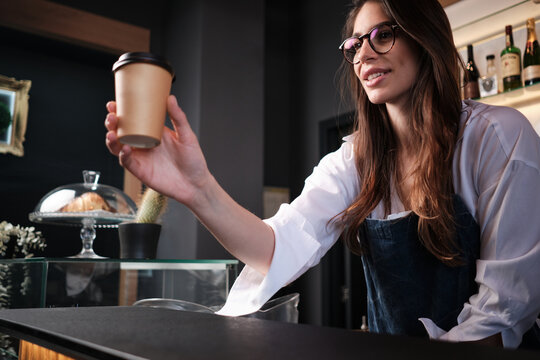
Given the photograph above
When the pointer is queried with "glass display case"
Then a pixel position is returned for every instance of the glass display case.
(50, 282)
(73, 282)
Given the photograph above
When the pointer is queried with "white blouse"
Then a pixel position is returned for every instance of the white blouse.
(496, 171)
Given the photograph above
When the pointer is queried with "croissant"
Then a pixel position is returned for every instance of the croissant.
(87, 202)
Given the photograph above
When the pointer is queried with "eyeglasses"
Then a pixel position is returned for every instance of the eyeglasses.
(381, 39)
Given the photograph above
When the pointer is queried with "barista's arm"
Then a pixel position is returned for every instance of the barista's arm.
(177, 168)
(242, 233)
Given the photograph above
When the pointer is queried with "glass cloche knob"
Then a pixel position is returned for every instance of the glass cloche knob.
(91, 178)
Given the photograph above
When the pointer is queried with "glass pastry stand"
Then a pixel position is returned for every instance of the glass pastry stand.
(89, 220)
(87, 204)
(88, 234)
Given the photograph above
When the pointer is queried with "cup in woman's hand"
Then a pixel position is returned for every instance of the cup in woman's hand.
(142, 85)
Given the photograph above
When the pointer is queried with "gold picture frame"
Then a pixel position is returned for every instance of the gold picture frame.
(13, 99)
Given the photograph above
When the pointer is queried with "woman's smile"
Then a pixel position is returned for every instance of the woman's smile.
(374, 76)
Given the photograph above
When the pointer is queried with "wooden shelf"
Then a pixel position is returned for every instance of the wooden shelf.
(446, 3)
(64, 23)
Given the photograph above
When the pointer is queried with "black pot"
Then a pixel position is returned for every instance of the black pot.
(138, 241)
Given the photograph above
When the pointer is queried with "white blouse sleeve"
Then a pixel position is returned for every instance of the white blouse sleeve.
(303, 232)
(499, 175)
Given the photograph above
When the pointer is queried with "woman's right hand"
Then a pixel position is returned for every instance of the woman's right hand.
(176, 168)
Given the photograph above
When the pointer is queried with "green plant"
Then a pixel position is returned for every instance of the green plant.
(152, 205)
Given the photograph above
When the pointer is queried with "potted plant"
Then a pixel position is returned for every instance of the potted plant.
(139, 239)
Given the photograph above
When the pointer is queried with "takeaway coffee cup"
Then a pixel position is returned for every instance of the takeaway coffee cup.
(142, 85)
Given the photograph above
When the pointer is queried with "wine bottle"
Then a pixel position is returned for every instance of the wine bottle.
(511, 63)
(531, 57)
(470, 76)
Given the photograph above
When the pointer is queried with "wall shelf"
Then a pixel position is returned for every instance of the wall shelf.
(523, 96)
(484, 29)
(491, 22)
(64, 23)
(525, 99)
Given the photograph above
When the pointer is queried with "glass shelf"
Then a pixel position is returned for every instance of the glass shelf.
(60, 282)
(516, 98)
(485, 24)
(482, 24)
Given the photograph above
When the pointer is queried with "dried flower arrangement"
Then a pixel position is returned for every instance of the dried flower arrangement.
(27, 239)
(16, 242)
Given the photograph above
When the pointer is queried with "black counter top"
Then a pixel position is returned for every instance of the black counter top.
(149, 333)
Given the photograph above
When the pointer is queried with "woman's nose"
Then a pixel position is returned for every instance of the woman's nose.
(365, 53)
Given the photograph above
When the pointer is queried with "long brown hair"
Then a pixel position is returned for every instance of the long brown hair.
(435, 104)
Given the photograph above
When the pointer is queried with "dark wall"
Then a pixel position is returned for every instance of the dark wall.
(278, 119)
(301, 90)
(182, 34)
(315, 98)
(65, 132)
(231, 123)
(301, 85)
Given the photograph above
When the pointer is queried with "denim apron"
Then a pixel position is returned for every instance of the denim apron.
(406, 282)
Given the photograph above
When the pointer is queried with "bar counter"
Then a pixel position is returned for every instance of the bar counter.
(131, 332)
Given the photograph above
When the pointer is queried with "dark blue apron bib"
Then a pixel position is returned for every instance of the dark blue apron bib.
(406, 282)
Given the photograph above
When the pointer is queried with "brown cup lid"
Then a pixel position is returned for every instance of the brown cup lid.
(144, 57)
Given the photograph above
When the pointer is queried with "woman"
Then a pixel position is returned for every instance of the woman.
(433, 192)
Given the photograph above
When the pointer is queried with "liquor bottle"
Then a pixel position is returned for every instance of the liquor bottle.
(491, 69)
(489, 83)
(531, 57)
(470, 77)
(511, 63)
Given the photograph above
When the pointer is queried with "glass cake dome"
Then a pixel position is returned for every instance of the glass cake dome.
(87, 204)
